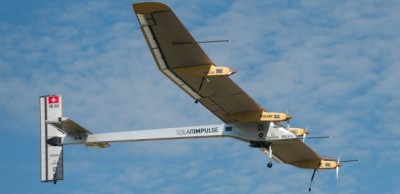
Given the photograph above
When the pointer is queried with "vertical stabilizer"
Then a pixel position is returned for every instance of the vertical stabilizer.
(51, 150)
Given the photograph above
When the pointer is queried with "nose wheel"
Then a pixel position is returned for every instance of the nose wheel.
(268, 150)
(269, 164)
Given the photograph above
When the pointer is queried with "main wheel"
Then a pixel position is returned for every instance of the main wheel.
(269, 164)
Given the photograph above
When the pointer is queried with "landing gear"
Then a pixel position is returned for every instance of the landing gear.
(269, 164)
(265, 147)
(270, 156)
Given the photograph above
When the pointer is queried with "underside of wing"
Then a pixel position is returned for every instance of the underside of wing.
(295, 152)
(182, 60)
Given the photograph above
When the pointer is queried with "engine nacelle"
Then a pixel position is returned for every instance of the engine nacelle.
(299, 131)
(262, 116)
(220, 71)
(208, 70)
(329, 164)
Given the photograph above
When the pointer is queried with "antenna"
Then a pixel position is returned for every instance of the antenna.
(201, 42)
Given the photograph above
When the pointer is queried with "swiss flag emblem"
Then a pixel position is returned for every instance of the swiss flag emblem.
(54, 99)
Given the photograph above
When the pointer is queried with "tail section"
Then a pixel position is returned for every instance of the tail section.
(51, 150)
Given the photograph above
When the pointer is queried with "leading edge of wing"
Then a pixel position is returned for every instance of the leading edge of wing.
(174, 49)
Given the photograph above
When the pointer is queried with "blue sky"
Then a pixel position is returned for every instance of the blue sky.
(337, 62)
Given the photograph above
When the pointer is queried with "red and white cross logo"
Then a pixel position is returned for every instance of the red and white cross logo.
(54, 99)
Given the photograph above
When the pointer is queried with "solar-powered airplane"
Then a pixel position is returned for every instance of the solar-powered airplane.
(183, 61)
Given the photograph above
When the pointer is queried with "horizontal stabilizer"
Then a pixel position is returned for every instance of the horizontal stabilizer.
(74, 130)
(69, 127)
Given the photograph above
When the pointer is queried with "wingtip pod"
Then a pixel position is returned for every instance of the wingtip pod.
(150, 7)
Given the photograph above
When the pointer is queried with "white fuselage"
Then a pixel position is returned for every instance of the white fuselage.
(247, 132)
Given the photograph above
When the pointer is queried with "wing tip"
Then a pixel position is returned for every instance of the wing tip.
(150, 7)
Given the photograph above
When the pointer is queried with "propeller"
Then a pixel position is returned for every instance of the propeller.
(305, 133)
(338, 165)
(287, 112)
(288, 124)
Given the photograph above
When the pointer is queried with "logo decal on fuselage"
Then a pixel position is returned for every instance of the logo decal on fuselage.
(197, 131)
